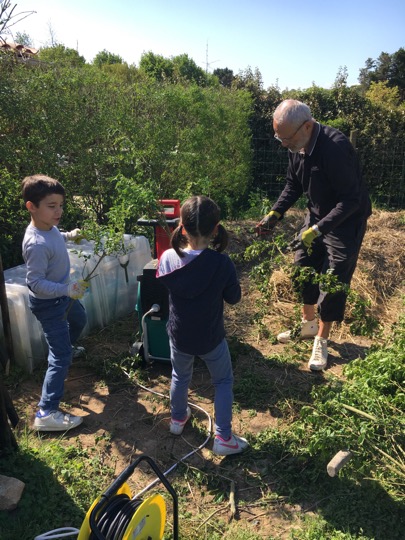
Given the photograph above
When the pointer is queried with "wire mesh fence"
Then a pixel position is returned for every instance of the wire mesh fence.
(382, 162)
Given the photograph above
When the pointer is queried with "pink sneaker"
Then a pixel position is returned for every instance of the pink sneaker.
(234, 445)
(177, 426)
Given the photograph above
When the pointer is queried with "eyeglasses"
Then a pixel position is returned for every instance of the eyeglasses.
(283, 139)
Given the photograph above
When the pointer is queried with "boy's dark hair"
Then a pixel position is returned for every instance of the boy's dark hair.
(38, 186)
(199, 217)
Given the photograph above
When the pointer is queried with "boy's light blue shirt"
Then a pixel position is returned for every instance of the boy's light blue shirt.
(47, 261)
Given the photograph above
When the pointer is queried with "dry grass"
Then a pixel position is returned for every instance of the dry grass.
(379, 277)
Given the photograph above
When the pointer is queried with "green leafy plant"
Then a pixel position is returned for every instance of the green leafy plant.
(365, 415)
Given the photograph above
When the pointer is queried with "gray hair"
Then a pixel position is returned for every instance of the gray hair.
(293, 112)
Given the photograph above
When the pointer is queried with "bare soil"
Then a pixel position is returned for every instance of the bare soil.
(126, 420)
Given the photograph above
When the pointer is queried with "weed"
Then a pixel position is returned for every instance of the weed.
(269, 255)
(364, 414)
(319, 529)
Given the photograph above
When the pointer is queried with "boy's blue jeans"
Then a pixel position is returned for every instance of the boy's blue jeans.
(219, 364)
(61, 331)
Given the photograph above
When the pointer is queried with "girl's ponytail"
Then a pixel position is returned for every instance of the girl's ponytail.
(178, 240)
(220, 240)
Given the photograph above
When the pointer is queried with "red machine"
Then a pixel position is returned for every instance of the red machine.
(161, 234)
(152, 304)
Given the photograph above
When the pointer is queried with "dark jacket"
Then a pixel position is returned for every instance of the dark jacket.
(331, 180)
(197, 292)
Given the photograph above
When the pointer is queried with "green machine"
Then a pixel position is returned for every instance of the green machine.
(152, 304)
(152, 307)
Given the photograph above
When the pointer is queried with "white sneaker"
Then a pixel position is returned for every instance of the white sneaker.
(177, 426)
(234, 445)
(319, 357)
(78, 352)
(56, 421)
(308, 329)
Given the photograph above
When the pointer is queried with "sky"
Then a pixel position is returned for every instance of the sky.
(294, 44)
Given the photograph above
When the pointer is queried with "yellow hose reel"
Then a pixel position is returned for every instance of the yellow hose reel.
(114, 515)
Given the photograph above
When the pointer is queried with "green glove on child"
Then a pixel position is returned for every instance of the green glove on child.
(77, 289)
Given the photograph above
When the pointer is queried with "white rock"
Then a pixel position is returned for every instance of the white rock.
(10, 492)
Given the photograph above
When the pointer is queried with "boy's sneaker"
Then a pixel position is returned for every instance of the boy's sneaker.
(319, 356)
(78, 352)
(234, 445)
(56, 421)
(177, 426)
(308, 329)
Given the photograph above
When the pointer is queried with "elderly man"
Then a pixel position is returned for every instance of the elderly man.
(324, 167)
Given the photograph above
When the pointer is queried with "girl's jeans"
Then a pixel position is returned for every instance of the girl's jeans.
(60, 331)
(219, 364)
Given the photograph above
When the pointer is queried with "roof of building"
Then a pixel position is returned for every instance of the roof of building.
(21, 49)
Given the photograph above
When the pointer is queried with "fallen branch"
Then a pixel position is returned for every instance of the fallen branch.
(209, 517)
(359, 412)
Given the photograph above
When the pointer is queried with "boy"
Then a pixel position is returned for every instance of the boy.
(50, 294)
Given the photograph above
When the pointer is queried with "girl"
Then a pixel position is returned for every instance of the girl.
(199, 279)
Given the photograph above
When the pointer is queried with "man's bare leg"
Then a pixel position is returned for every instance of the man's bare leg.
(308, 314)
(324, 329)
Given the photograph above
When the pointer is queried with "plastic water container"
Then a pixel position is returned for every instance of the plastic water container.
(120, 277)
(29, 343)
(112, 294)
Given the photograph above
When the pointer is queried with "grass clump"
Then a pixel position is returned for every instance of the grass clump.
(61, 481)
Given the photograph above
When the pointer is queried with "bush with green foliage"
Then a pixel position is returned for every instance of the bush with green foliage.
(87, 128)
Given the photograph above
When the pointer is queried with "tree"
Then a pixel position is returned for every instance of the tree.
(22, 38)
(225, 76)
(97, 129)
(107, 58)
(185, 69)
(9, 18)
(156, 66)
(177, 69)
(381, 95)
(62, 56)
(397, 71)
(341, 77)
(8, 441)
(375, 70)
(249, 80)
(387, 67)
(366, 74)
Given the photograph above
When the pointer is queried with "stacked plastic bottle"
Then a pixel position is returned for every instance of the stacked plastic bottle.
(112, 294)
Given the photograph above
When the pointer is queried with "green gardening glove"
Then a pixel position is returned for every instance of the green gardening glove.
(268, 223)
(77, 289)
(308, 237)
(305, 239)
(75, 235)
